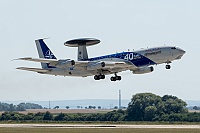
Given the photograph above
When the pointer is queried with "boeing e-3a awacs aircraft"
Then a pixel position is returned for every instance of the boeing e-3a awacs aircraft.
(138, 62)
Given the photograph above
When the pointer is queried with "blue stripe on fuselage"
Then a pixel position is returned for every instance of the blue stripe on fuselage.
(135, 58)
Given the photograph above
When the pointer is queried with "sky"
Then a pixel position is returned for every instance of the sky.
(120, 25)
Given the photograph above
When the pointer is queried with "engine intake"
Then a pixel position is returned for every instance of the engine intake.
(65, 63)
(96, 65)
(143, 70)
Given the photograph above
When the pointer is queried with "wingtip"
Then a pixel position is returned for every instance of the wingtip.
(13, 59)
(19, 68)
(17, 59)
(23, 58)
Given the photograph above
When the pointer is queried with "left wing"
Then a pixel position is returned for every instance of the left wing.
(111, 66)
(39, 70)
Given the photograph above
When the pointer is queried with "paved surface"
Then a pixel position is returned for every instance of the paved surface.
(97, 126)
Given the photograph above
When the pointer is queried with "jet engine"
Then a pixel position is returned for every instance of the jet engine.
(65, 63)
(96, 65)
(143, 70)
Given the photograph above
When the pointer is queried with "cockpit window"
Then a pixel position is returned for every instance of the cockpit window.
(173, 48)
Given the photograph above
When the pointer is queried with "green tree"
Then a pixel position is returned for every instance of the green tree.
(148, 106)
(5, 107)
(21, 107)
(173, 104)
(115, 107)
(56, 107)
(48, 116)
(149, 113)
(60, 117)
(139, 102)
(29, 116)
(12, 107)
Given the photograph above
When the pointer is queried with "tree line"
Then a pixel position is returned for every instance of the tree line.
(19, 107)
(116, 115)
(143, 107)
(196, 108)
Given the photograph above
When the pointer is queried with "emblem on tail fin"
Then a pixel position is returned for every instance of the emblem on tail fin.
(44, 52)
(49, 55)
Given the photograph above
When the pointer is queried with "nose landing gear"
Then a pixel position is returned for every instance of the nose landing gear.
(167, 66)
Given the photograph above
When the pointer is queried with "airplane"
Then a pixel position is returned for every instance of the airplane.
(138, 62)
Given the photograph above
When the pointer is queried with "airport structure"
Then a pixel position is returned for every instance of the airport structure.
(120, 100)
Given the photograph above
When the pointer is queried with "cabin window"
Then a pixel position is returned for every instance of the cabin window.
(173, 48)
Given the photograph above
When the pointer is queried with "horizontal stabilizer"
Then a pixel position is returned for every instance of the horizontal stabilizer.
(33, 69)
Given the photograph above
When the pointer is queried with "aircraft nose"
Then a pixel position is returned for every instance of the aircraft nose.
(182, 51)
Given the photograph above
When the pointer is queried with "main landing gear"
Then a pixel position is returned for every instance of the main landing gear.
(167, 66)
(116, 78)
(98, 77)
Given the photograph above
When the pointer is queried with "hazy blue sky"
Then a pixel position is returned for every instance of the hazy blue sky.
(120, 25)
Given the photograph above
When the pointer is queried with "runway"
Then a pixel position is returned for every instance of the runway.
(98, 126)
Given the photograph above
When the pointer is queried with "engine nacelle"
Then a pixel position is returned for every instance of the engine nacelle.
(143, 70)
(65, 63)
(96, 65)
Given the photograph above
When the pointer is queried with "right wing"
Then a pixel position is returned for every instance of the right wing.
(39, 70)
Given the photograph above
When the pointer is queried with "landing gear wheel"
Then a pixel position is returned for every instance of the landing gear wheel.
(118, 77)
(167, 66)
(96, 77)
(102, 76)
(113, 78)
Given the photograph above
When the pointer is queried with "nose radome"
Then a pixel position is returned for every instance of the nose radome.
(182, 51)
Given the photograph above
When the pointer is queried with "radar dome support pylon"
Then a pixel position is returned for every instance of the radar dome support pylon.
(81, 44)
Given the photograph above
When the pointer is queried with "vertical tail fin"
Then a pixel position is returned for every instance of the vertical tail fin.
(44, 52)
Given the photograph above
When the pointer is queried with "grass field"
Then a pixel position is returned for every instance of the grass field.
(72, 111)
(68, 111)
(101, 122)
(95, 130)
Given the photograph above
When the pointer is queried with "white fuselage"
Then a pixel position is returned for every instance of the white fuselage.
(137, 59)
